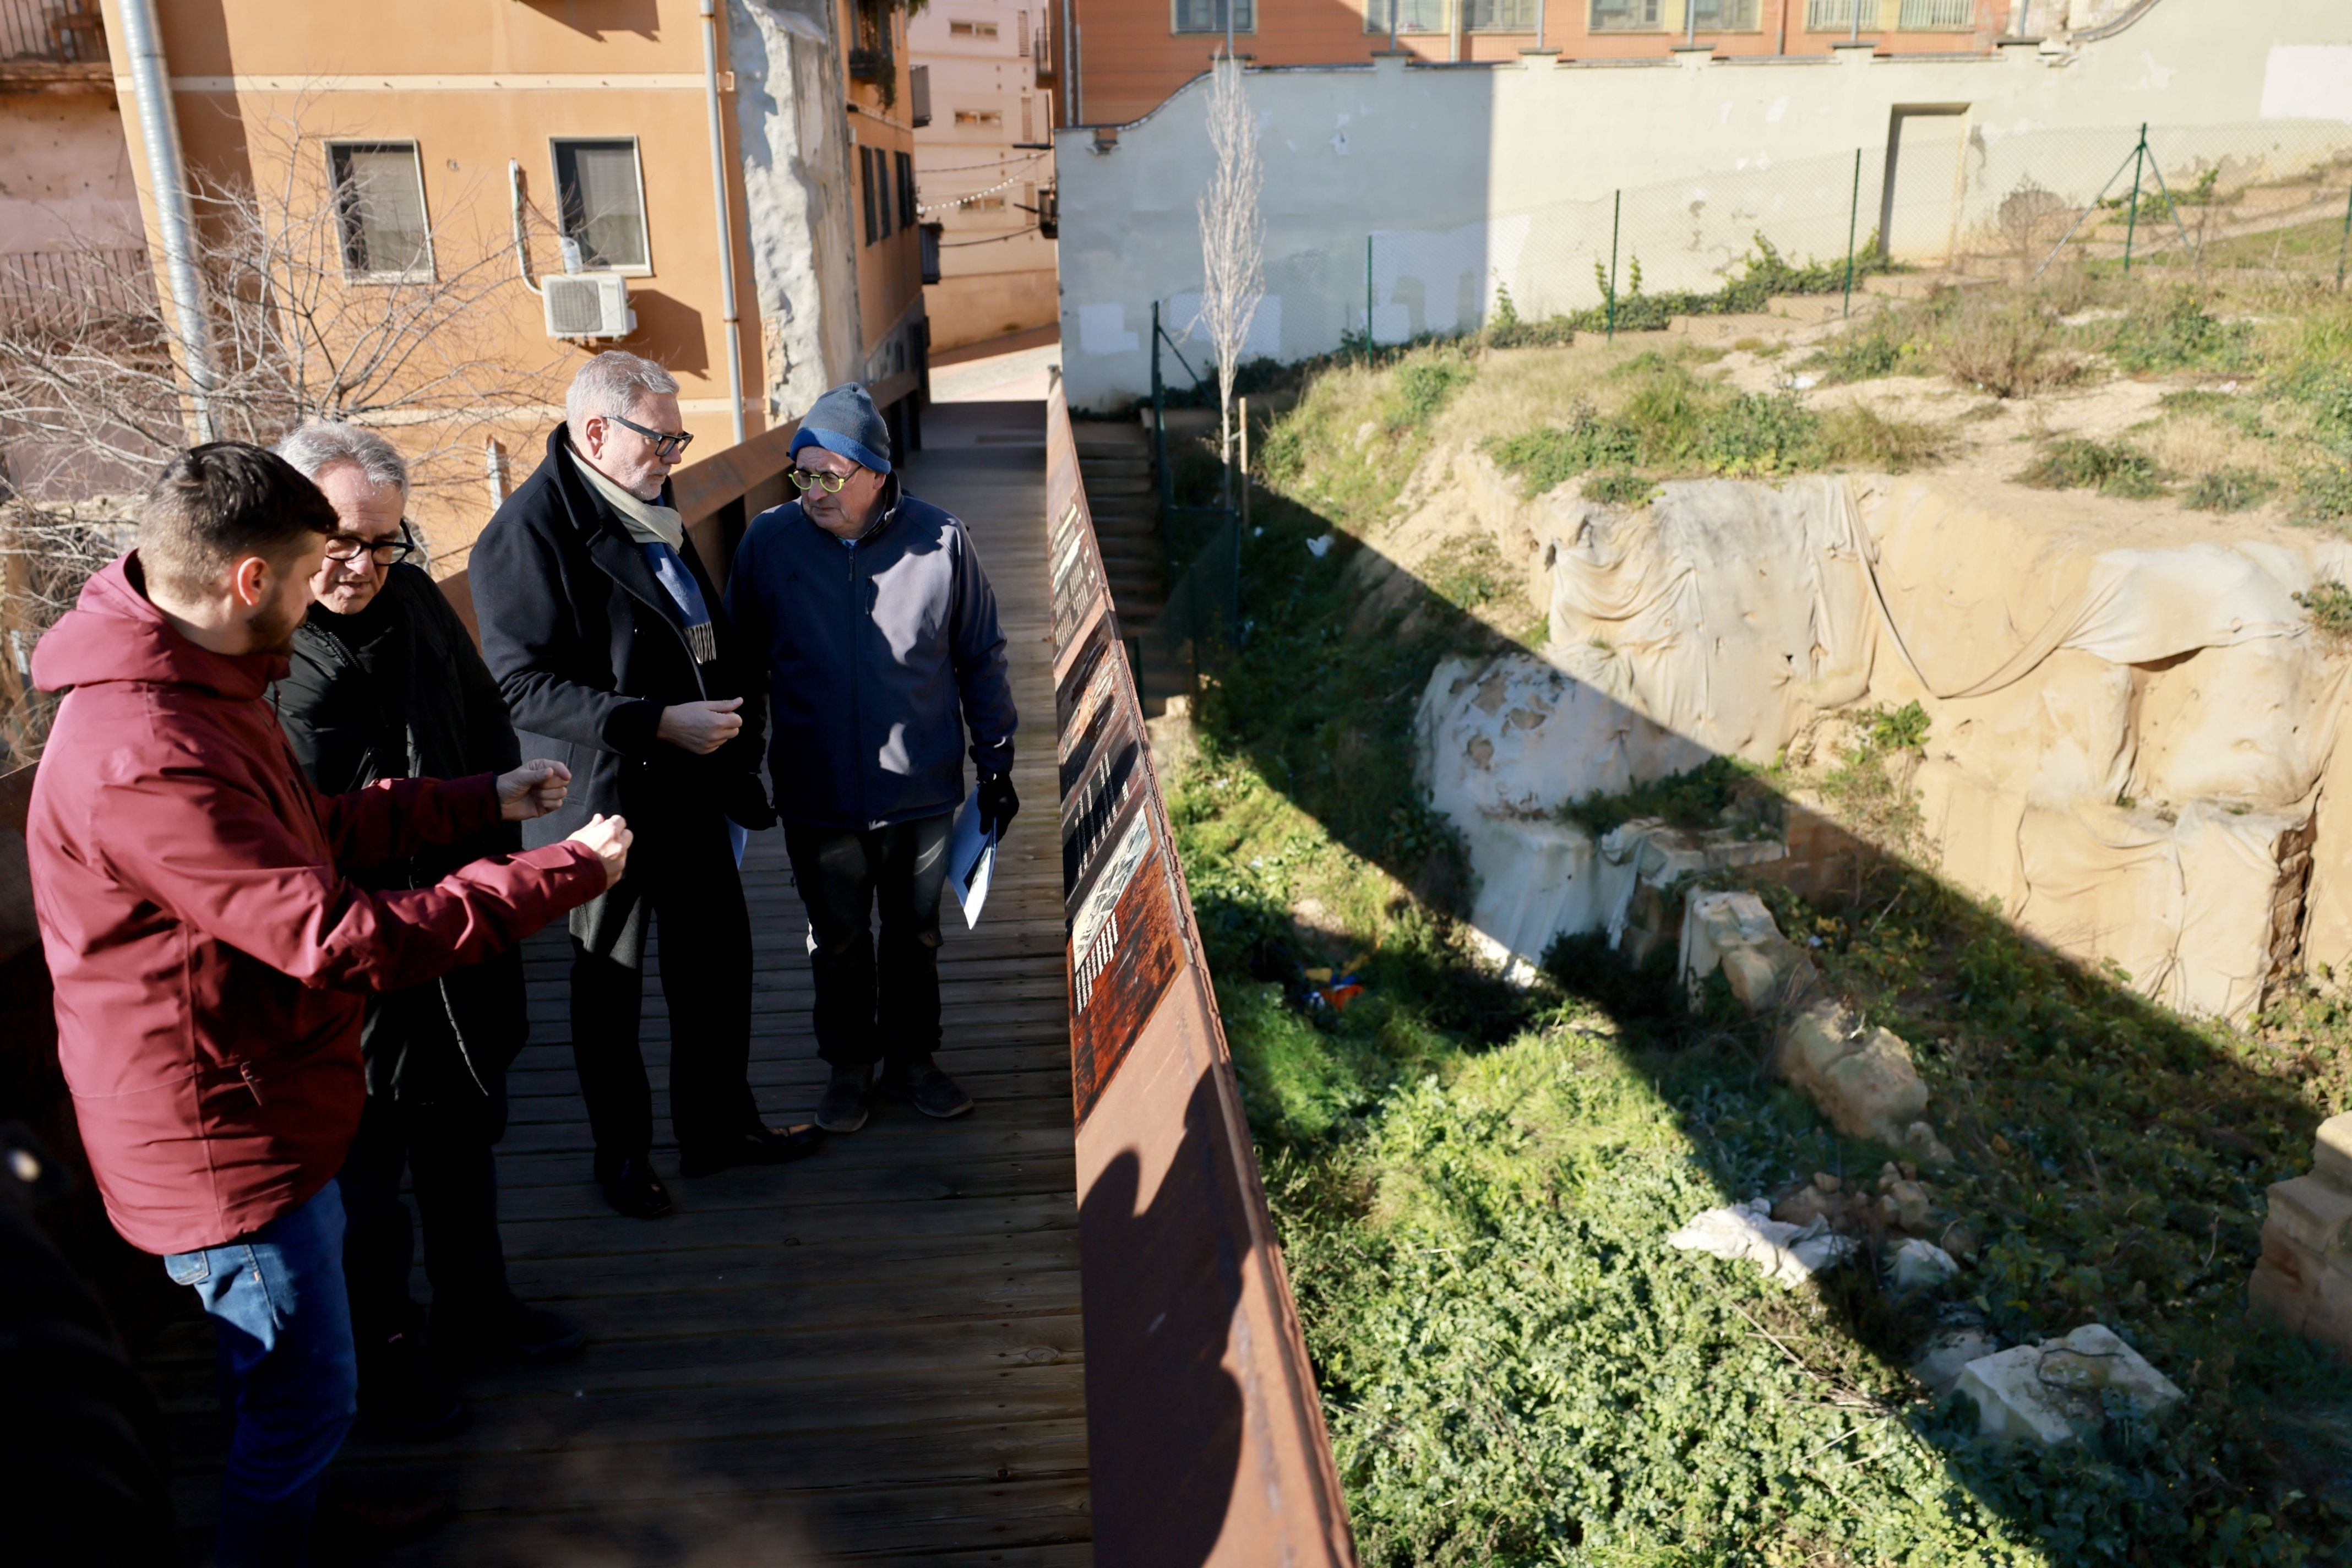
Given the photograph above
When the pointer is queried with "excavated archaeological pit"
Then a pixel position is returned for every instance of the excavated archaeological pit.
(2131, 740)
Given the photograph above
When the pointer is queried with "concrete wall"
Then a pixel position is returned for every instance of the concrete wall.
(984, 305)
(1462, 179)
(65, 174)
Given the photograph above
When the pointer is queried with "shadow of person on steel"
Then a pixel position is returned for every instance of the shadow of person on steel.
(1163, 1415)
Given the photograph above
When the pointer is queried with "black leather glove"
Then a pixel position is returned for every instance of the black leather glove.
(998, 805)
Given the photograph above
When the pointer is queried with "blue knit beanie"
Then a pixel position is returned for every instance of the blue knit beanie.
(845, 420)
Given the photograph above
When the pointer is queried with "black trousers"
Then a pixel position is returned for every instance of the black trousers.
(681, 873)
(447, 1149)
(872, 1007)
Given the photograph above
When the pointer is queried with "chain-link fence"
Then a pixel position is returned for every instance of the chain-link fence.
(1941, 194)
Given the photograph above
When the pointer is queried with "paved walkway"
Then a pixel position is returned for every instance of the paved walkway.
(873, 1355)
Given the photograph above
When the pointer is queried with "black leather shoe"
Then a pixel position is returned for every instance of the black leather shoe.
(514, 1331)
(922, 1085)
(352, 1526)
(633, 1189)
(401, 1397)
(847, 1096)
(760, 1146)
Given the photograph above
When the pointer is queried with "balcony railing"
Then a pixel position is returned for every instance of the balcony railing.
(1938, 15)
(51, 32)
(1911, 17)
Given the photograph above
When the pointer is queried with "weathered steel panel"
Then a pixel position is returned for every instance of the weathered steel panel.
(1204, 1435)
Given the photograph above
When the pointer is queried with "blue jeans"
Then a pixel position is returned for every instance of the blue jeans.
(288, 1376)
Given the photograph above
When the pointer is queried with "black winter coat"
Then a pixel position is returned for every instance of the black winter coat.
(588, 648)
(439, 716)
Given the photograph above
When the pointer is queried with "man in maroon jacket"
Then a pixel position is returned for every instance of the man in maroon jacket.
(210, 956)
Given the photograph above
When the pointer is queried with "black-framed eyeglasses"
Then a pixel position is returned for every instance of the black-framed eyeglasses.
(666, 446)
(384, 553)
(809, 479)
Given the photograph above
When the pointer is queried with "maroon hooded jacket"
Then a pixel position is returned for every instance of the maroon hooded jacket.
(208, 954)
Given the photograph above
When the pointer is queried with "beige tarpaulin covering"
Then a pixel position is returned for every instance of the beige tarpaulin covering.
(2127, 736)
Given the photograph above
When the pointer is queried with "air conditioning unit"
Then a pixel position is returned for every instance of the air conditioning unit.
(588, 305)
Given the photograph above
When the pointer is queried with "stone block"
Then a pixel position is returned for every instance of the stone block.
(2313, 1215)
(2331, 1155)
(2051, 1392)
(1820, 1035)
(1948, 1355)
(1920, 1265)
(1875, 1091)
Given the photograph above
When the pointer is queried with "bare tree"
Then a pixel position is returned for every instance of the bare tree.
(1233, 241)
(327, 295)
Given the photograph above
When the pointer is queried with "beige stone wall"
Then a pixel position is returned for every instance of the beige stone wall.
(981, 306)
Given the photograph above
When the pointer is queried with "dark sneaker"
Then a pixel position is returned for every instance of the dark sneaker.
(922, 1085)
(760, 1146)
(401, 1397)
(633, 1189)
(847, 1096)
(516, 1332)
(353, 1526)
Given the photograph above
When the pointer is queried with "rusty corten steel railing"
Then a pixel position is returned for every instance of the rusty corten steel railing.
(1205, 1440)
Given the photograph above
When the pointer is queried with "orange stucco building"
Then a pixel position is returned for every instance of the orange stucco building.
(1123, 58)
(482, 147)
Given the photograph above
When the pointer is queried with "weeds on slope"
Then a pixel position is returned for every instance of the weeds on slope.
(1665, 420)
(1473, 1181)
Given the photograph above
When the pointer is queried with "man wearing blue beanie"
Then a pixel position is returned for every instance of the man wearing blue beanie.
(884, 659)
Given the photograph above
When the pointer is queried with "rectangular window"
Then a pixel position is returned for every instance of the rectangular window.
(1498, 16)
(906, 213)
(604, 202)
(1028, 117)
(866, 181)
(1624, 15)
(993, 204)
(980, 117)
(380, 204)
(1839, 16)
(1021, 34)
(882, 204)
(1724, 16)
(1938, 15)
(971, 29)
(1208, 16)
(1406, 16)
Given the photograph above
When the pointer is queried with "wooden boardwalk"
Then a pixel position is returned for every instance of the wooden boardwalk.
(873, 1355)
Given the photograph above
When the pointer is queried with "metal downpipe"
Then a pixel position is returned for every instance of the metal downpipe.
(175, 227)
(726, 223)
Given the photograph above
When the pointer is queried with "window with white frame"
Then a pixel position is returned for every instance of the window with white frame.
(602, 196)
(380, 208)
(971, 29)
(1938, 15)
(1839, 16)
(978, 116)
(1623, 16)
(1407, 17)
(1021, 34)
(1208, 16)
(1498, 16)
(1724, 16)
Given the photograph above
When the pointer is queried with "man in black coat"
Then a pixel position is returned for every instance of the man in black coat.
(384, 683)
(615, 656)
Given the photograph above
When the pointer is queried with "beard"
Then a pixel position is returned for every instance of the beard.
(272, 629)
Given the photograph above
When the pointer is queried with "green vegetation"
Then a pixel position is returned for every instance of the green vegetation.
(2329, 605)
(2178, 331)
(1472, 1182)
(2229, 490)
(1669, 422)
(1696, 797)
(2111, 468)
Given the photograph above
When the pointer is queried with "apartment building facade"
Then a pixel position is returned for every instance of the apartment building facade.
(727, 189)
(984, 163)
(1125, 58)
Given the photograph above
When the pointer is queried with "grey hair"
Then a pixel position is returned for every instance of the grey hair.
(318, 444)
(610, 384)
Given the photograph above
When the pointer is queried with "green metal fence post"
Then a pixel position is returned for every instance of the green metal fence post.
(1616, 209)
(2344, 243)
(1852, 222)
(2131, 228)
(1160, 437)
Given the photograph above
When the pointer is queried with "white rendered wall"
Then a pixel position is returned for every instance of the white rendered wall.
(1465, 177)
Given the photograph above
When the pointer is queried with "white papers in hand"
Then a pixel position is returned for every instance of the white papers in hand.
(971, 859)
